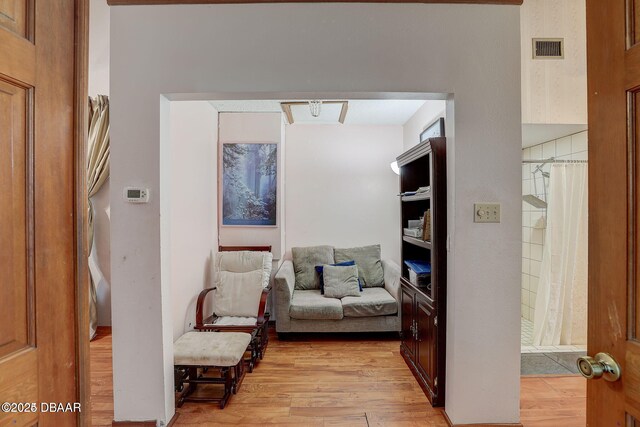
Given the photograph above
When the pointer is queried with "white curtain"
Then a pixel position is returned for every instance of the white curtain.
(561, 305)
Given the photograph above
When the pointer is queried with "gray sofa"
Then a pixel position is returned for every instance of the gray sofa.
(301, 307)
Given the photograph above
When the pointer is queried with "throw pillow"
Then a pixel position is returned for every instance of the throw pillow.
(320, 269)
(341, 281)
(367, 259)
(304, 262)
(238, 294)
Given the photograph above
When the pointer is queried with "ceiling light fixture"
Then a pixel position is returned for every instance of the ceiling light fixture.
(314, 108)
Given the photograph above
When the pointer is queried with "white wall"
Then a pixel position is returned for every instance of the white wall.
(570, 147)
(554, 90)
(340, 188)
(253, 127)
(321, 51)
(99, 85)
(99, 28)
(420, 120)
(193, 128)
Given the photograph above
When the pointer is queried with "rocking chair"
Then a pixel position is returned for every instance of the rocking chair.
(241, 288)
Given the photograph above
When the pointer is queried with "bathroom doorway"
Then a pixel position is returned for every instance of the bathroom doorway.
(554, 255)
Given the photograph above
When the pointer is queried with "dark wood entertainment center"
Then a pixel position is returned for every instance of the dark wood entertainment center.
(423, 333)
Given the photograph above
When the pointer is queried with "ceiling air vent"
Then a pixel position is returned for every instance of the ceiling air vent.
(548, 48)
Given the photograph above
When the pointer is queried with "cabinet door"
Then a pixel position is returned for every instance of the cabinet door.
(407, 321)
(426, 349)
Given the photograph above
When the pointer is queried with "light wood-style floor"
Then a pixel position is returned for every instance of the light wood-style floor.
(337, 382)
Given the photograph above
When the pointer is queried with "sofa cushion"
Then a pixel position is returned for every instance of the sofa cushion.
(371, 302)
(311, 305)
(341, 281)
(305, 261)
(320, 271)
(367, 259)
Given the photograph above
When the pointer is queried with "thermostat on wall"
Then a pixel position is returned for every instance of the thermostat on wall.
(136, 195)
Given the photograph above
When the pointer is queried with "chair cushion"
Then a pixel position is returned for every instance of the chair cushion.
(210, 348)
(235, 321)
(369, 264)
(341, 281)
(238, 294)
(305, 261)
(245, 261)
(311, 305)
(371, 302)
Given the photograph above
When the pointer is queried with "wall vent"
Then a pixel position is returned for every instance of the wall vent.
(548, 48)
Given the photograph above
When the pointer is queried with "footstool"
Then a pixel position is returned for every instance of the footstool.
(195, 353)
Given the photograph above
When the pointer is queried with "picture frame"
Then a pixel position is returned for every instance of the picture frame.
(433, 130)
(248, 184)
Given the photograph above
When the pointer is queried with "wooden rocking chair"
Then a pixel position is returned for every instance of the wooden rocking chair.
(242, 276)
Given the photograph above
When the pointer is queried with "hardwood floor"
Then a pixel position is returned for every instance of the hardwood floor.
(338, 381)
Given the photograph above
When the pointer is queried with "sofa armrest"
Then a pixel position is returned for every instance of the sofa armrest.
(392, 278)
(284, 282)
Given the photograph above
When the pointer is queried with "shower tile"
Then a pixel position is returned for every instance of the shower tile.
(536, 236)
(536, 152)
(582, 155)
(533, 284)
(579, 142)
(532, 299)
(534, 268)
(548, 150)
(526, 234)
(536, 252)
(526, 250)
(526, 219)
(524, 310)
(536, 364)
(525, 282)
(531, 313)
(526, 171)
(526, 186)
(525, 297)
(526, 265)
(563, 146)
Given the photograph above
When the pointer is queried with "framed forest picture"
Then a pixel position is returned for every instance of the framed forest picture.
(249, 184)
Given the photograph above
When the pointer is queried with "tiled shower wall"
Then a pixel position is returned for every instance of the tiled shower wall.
(572, 147)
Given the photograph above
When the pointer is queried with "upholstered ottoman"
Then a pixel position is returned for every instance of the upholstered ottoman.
(195, 353)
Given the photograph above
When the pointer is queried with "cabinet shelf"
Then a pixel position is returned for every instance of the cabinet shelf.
(416, 197)
(422, 243)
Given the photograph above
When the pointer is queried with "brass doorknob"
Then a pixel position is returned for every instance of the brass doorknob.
(602, 365)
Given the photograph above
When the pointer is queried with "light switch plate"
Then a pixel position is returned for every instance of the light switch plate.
(486, 212)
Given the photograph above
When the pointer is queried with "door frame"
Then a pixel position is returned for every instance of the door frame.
(80, 141)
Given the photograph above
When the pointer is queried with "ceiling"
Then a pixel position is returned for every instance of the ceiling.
(360, 112)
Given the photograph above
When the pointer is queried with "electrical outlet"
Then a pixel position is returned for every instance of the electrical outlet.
(486, 212)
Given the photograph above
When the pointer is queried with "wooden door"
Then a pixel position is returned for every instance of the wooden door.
(41, 134)
(613, 73)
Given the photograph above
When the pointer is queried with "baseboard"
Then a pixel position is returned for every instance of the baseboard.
(446, 417)
(143, 423)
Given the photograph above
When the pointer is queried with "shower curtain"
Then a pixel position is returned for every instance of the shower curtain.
(560, 316)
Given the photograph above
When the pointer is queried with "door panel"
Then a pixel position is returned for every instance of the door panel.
(39, 213)
(14, 15)
(613, 76)
(16, 317)
(407, 320)
(426, 344)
